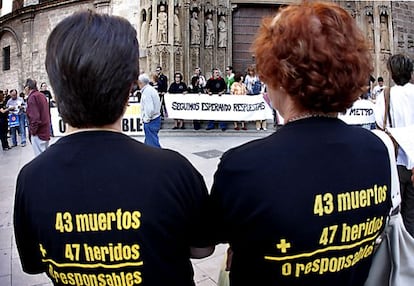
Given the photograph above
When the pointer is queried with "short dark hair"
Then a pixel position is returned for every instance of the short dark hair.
(380, 79)
(92, 62)
(31, 84)
(401, 68)
(179, 74)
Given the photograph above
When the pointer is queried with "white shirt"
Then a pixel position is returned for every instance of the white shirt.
(18, 104)
(401, 111)
(361, 113)
(377, 90)
(150, 103)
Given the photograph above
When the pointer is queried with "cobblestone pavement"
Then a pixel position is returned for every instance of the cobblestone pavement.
(202, 149)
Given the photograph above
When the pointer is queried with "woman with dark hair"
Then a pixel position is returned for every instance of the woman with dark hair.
(238, 88)
(178, 86)
(195, 86)
(4, 113)
(305, 205)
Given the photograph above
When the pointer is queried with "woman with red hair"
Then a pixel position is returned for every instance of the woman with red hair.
(305, 205)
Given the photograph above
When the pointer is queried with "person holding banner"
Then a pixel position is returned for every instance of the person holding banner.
(99, 205)
(294, 205)
(238, 88)
(196, 87)
(216, 85)
(178, 86)
(17, 105)
(201, 78)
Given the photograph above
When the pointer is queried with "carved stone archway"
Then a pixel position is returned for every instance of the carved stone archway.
(180, 30)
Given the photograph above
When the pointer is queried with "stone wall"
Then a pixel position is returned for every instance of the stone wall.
(26, 30)
(403, 22)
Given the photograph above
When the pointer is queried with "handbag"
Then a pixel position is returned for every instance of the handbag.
(393, 261)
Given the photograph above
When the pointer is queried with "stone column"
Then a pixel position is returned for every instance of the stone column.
(27, 44)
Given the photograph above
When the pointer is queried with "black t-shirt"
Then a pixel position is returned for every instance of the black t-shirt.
(177, 87)
(48, 97)
(4, 116)
(162, 83)
(100, 206)
(216, 85)
(304, 205)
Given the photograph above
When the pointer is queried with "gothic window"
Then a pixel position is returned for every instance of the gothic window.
(6, 58)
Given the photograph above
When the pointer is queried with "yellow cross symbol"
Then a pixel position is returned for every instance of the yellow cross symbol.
(283, 245)
(42, 250)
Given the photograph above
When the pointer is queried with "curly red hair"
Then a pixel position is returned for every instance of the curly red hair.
(315, 52)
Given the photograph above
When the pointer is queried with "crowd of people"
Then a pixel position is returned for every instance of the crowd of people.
(219, 83)
(26, 114)
(83, 220)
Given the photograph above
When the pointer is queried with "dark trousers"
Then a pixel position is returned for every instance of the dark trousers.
(407, 198)
(211, 123)
(3, 133)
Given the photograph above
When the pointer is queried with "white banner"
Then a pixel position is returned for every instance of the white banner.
(361, 113)
(214, 107)
(131, 122)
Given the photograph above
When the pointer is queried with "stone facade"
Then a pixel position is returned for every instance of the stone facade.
(196, 35)
(182, 34)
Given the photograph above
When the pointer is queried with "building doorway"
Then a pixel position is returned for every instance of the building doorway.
(246, 22)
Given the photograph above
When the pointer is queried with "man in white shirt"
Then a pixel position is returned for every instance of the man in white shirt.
(401, 114)
(17, 108)
(378, 88)
(150, 111)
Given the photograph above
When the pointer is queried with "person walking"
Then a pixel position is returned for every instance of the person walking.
(38, 116)
(150, 111)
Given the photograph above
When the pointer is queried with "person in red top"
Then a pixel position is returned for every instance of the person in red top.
(38, 117)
